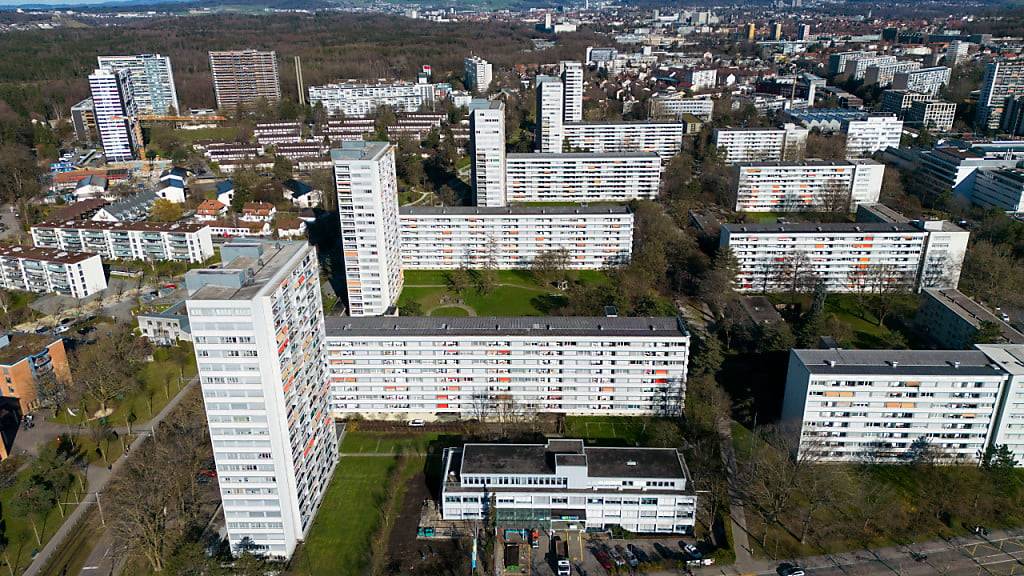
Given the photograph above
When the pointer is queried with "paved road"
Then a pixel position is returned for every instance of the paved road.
(98, 481)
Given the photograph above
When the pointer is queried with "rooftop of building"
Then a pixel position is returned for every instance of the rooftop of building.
(760, 310)
(175, 227)
(513, 210)
(79, 209)
(665, 326)
(22, 345)
(897, 362)
(966, 308)
(48, 254)
(541, 459)
(1009, 357)
(580, 155)
(359, 150)
(249, 266)
(808, 162)
(820, 227)
(484, 104)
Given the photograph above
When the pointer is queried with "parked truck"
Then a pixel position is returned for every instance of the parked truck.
(560, 554)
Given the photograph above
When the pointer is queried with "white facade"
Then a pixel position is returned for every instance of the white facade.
(664, 138)
(1009, 430)
(935, 116)
(883, 74)
(874, 133)
(1003, 78)
(701, 79)
(571, 74)
(675, 105)
(899, 101)
(808, 186)
(845, 257)
(999, 188)
(152, 81)
(486, 367)
(758, 145)
(857, 67)
(562, 483)
(356, 99)
(879, 405)
(924, 80)
(45, 270)
(128, 240)
(364, 173)
(478, 74)
(258, 328)
(116, 114)
(487, 150)
(446, 238)
(550, 114)
(957, 52)
(582, 177)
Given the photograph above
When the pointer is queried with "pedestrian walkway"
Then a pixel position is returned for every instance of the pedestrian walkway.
(737, 515)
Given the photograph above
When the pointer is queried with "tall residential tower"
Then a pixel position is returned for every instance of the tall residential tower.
(241, 77)
(152, 81)
(116, 114)
(487, 141)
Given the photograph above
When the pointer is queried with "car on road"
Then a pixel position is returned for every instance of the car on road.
(171, 286)
(638, 553)
(603, 559)
(980, 530)
(625, 553)
(918, 556)
(787, 569)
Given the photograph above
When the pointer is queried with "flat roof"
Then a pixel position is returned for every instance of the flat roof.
(627, 462)
(513, 210)
(339, 326)
(23, 345)
(821, 227)
(138, 226)
(359, 150)
(809, 162)
(48, 254)
(264, 271)
(897, 362)
(966, 308)
(581, 155)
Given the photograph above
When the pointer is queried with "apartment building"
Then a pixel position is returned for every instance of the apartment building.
(563, 484)
(857, 66)
(242, 77)
(364, 173)
(845, 257)
(1003, 79)
(221, 151)
(152, 81)
(362, 99)
(1009, 430)
(957, 52)
(166, 327)
(883, 74)
(116, 114)
(271, 133)
(477, 74)
(46, 270)
(572, 177)
(550, 134)
(677, 104)
(899, 101)
(736, 145)
(807, 186)
(879, 405)
(450, 237)
(487, 150)
(924, 80)
(25, 360)
(935, 116)
(258, 328)
(571, 74)
(952, 320)
(1001, 188)
(83, 120)
(154, 241)
(663, 138)
(701, 79)
(506, 366)
(837, 62)
(872, 134)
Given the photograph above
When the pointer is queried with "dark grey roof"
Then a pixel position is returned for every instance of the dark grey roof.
(580, 155)
(513, 210)
(897, 362)
(506, 459)
(342, 326)
(818, 227)
(600, 462)
(634, 462)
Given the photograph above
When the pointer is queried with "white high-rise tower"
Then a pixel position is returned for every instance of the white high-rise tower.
(477, 74)
(116, 114)
(550, 115)
(487, 147)
(572, 82)
(152, 81)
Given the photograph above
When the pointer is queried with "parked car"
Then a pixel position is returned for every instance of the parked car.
(665, 553)
(67, 320)
(918, 556)
(417, 423)
(171, 286)
(86, 330)
(61, 329)
(691, 550)
(603, 559)
(534, 538)
(639, 553)
(630, 558)
(616, 557)
(786, 569)
(980, 530)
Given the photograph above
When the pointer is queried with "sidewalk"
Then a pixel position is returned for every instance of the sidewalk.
(737, 515)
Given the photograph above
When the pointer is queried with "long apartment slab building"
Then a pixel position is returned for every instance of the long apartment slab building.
(506, 367)
(882, 405)
(48, 270)
(153, 241)
(808, 186)
(450, 237)
(868, 257)
(564, 484)
(736, 145)
(257, 323)
(569, 177)
(362, 99)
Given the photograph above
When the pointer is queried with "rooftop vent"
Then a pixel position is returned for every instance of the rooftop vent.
(630, 462)
(831, 363)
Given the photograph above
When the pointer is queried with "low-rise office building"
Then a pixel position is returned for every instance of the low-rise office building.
(808, 186)
(449, 237)
(951, 319)
(737, 145)
(1001, 188)
(617, 177)
(46, 270)
(185, 242)
(563, 484)
(513, 367)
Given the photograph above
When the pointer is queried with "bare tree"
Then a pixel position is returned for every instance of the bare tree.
(836, 197)
(550, 266)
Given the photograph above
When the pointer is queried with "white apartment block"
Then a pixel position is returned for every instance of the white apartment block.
(866, 257)
(837, 62)
(857, 67)
(242, 77)
(924, 80)
(152, 241)
(663, 138)
(272, 133)
(878, 405)
(477, 74)
(358, 99)
(152, 81)
(1009, 430)
(571, 74)
(1003, 79)
(808, 186)
(116, 114)
(550, 115)
(872, 134)
(899, 101)
(675, 105)
(999, 188)
(737, 145)
(364, 173)
(563, 484)
(450, 237)
(487, 150)
(957, 52)
(701, 79)
(506, 366)
(883, 74)
(258, 328)
(935, 116)
(46, 270)
(572, 177)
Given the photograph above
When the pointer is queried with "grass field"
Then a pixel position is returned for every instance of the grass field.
(616, 430)
(867, 333)
(449, 311)
(376, 443)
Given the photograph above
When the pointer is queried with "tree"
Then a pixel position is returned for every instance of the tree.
(998, 457)
(33, 502)
(881, 287)
(410, 308)
(825, 146)
(19, 173)
(458, 280)
(101, 434)
(836, 197)
(106, 369)
(164, 210)
(664, 434)
(550, 266)
(282, 168)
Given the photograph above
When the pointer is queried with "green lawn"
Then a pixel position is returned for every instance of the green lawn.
(867, 333)
(375, 442)
(619, 430)
(449, 311)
